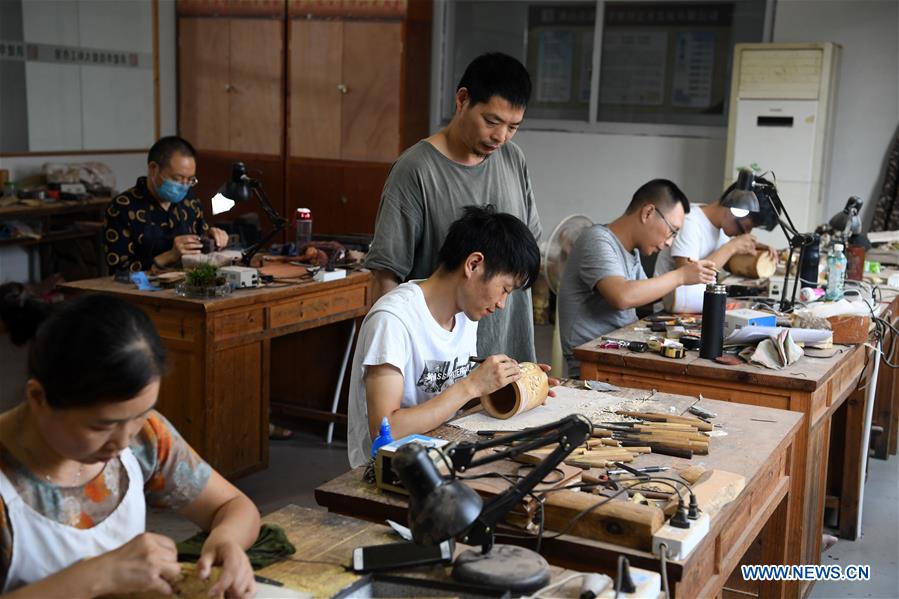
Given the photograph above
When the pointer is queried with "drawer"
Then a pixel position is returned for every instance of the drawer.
(235, 324)
(316, 306)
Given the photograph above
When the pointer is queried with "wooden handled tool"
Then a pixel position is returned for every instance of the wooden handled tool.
(678, 451)
(657, 417)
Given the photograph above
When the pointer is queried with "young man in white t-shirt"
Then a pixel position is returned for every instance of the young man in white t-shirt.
(710, 232)
(412, 362)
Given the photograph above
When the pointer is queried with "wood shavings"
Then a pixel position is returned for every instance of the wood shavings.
(598, 407)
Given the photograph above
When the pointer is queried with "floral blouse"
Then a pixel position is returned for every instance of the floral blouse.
(174, 476)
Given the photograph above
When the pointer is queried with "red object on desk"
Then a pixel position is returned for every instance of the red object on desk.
(855, 268)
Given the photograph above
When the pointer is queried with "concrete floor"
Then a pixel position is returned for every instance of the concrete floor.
(879, 543)
(298, 465)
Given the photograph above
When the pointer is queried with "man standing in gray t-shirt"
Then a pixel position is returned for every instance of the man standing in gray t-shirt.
(604, 282)
(470, 162)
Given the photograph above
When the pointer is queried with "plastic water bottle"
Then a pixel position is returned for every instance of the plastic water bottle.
(383, 438)
(304, 226)
(836, 273)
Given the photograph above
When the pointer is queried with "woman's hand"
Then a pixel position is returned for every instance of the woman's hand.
(236, 579)
(148, 562)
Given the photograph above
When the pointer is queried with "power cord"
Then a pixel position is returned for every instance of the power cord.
(663, 568)
(556, 585)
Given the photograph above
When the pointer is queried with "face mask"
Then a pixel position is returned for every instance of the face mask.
(172, 192)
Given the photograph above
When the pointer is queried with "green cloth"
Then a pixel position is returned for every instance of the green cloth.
(271, 545)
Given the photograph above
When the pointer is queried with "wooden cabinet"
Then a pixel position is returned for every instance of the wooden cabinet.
(358, 90)
(349, 80)
(230, 84)
(345, 89)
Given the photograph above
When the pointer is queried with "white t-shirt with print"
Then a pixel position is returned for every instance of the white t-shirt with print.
(697, 238)
(401, 331)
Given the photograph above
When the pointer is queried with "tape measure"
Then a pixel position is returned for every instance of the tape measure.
(690, 342)
(673, 351)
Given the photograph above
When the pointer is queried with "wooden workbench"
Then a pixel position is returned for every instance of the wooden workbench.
(60, 221)
(324, 544)
(226, 356)
(814, 387)
(759, 445)
(886, 401)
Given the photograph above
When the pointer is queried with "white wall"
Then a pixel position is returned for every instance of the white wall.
(126, 167)
(867, 90)
(596, 174)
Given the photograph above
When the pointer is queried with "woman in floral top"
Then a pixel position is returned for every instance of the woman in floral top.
(85, 452)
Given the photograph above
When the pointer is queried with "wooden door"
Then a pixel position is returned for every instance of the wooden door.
(256, 90)
(316, 56)
(203, 79)
(370, 123)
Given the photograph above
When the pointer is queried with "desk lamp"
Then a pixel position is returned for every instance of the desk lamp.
(743, 198)
(442, 508)
(848, 223)
(240, 189)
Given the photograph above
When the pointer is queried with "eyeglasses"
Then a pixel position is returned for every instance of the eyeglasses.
(189, 181)
(672, 232)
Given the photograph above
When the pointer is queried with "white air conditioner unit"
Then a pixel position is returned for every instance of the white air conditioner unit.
(781, 119)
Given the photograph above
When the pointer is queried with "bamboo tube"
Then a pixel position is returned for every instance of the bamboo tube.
(759, 266)
(526, 393)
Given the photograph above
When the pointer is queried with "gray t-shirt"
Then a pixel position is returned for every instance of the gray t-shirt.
(584, 314)
(424, 194)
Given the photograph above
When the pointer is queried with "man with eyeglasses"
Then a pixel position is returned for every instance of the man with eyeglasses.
(153, 224)
(604, 282)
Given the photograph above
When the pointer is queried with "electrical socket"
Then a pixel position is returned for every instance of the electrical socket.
(648, 583)
(681, 541)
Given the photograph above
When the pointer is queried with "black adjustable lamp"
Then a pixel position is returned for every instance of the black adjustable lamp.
(848, 223)
(743, 198)
(441, 508)
(240, 188)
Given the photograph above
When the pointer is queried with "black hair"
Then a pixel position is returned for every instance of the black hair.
(660, 193)
(496, 74)
(21, 312)
(93, 349)
(166, 147)
(508, 245)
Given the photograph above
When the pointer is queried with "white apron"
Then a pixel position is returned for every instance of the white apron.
(42, 546)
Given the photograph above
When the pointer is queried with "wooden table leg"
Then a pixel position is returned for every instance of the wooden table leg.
(775, 551)
(855, 416)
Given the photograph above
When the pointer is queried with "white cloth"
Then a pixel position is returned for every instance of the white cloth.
(42, 546)
(400, 331)
(697, 239)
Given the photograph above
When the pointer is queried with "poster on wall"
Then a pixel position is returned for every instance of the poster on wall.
(694, 62)
(633, 68)
(554, 59)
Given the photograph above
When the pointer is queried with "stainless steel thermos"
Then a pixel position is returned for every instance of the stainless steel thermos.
(714, 302)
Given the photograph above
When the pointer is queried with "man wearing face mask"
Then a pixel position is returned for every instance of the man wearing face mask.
(159, 220)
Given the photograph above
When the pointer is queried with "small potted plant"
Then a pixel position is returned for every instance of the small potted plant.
(203, 281)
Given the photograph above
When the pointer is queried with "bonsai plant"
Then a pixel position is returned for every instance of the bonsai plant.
(203, 280)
